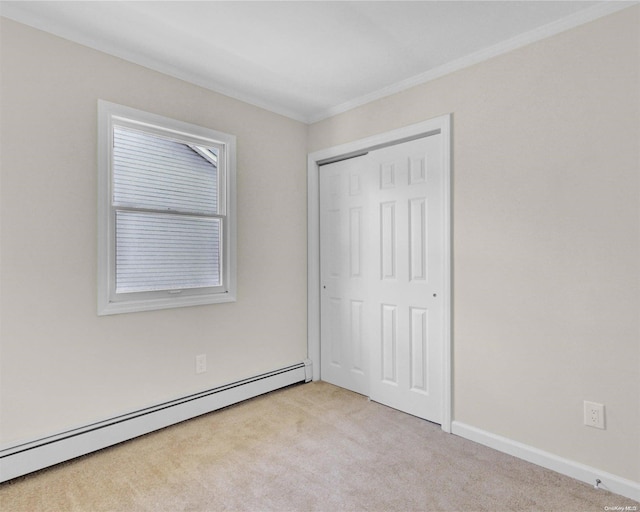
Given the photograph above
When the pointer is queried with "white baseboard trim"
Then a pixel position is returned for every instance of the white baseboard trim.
(582, 472)
(27, 457)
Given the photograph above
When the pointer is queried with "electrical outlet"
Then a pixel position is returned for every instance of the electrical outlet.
(593, 414)
(201, 363)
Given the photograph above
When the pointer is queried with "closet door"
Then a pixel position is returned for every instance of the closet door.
(344, 214)
(382, 273)
(406, 245)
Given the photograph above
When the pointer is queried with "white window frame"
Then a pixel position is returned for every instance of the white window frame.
(110, 302)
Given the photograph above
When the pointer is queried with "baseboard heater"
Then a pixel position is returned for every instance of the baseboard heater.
(38, 454)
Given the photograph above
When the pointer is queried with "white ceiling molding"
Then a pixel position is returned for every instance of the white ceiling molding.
(307, 60)
(556, 27)
(14, 11)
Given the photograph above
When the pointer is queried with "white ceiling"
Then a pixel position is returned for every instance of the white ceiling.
(306, 60)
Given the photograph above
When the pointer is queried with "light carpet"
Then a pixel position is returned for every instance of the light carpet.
(310, 447)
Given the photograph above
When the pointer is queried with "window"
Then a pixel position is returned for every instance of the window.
(166, 215)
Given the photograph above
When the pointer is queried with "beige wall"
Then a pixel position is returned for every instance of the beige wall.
(64, 366)
(546, 233)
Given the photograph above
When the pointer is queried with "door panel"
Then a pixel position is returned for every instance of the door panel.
(381, 225)
(344, 356)
(406, 372)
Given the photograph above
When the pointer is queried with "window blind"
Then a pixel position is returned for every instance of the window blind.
(165, 194)
(162, 174)
(166, 252)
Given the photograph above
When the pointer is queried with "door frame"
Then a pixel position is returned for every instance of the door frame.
(441, 125)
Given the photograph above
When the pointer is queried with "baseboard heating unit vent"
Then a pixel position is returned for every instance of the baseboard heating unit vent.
(32, 456)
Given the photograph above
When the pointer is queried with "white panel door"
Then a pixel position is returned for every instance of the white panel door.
(407, 251)
(343, 211)
(381, 234)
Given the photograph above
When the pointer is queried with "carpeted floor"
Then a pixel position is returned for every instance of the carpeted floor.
(311, 447)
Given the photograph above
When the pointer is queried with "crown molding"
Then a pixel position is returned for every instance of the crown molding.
(538, 34)
(14, 11)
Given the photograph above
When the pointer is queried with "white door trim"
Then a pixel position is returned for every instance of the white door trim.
(440, 124)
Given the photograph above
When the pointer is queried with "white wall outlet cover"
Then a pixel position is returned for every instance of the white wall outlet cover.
(594, 414)
(201, 363)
